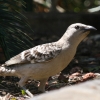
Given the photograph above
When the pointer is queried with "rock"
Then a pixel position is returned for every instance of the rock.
(85, 91)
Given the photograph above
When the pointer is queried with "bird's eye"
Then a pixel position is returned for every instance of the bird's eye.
(77, 27)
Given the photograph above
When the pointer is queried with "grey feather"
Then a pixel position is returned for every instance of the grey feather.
(40, 53)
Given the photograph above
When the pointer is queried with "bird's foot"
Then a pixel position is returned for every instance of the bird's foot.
(29, 93)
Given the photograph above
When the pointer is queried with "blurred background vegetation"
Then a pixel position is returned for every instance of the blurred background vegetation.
(61, 5)
(47, 18)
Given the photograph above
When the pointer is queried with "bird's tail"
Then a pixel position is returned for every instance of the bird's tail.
(5, 71)
(2, 70)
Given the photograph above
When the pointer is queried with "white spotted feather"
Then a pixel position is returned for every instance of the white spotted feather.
(40, 53)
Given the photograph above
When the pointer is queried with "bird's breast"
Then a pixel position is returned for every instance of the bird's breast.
(55, 65)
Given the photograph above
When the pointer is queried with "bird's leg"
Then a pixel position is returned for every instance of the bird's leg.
(22, 85)
(42, 85)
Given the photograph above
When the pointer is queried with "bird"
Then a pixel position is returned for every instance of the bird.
(46, 60)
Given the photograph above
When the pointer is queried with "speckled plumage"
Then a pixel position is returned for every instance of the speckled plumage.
(40, 53)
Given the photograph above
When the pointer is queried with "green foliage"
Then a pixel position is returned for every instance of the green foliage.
(29, 5)
(13, 99)
(23, 92)
(13, 28)
(79, 5)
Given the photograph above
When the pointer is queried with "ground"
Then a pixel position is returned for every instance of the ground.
(84, 66)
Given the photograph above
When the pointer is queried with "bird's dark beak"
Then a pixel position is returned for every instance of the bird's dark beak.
(89, 28)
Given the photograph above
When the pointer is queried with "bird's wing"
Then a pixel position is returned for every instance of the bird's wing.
(40, 53)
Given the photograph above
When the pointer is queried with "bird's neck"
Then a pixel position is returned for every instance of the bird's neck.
(67, 40)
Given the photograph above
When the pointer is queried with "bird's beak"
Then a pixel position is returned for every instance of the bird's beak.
(89, 28)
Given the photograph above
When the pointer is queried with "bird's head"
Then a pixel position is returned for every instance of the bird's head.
(78, 31)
